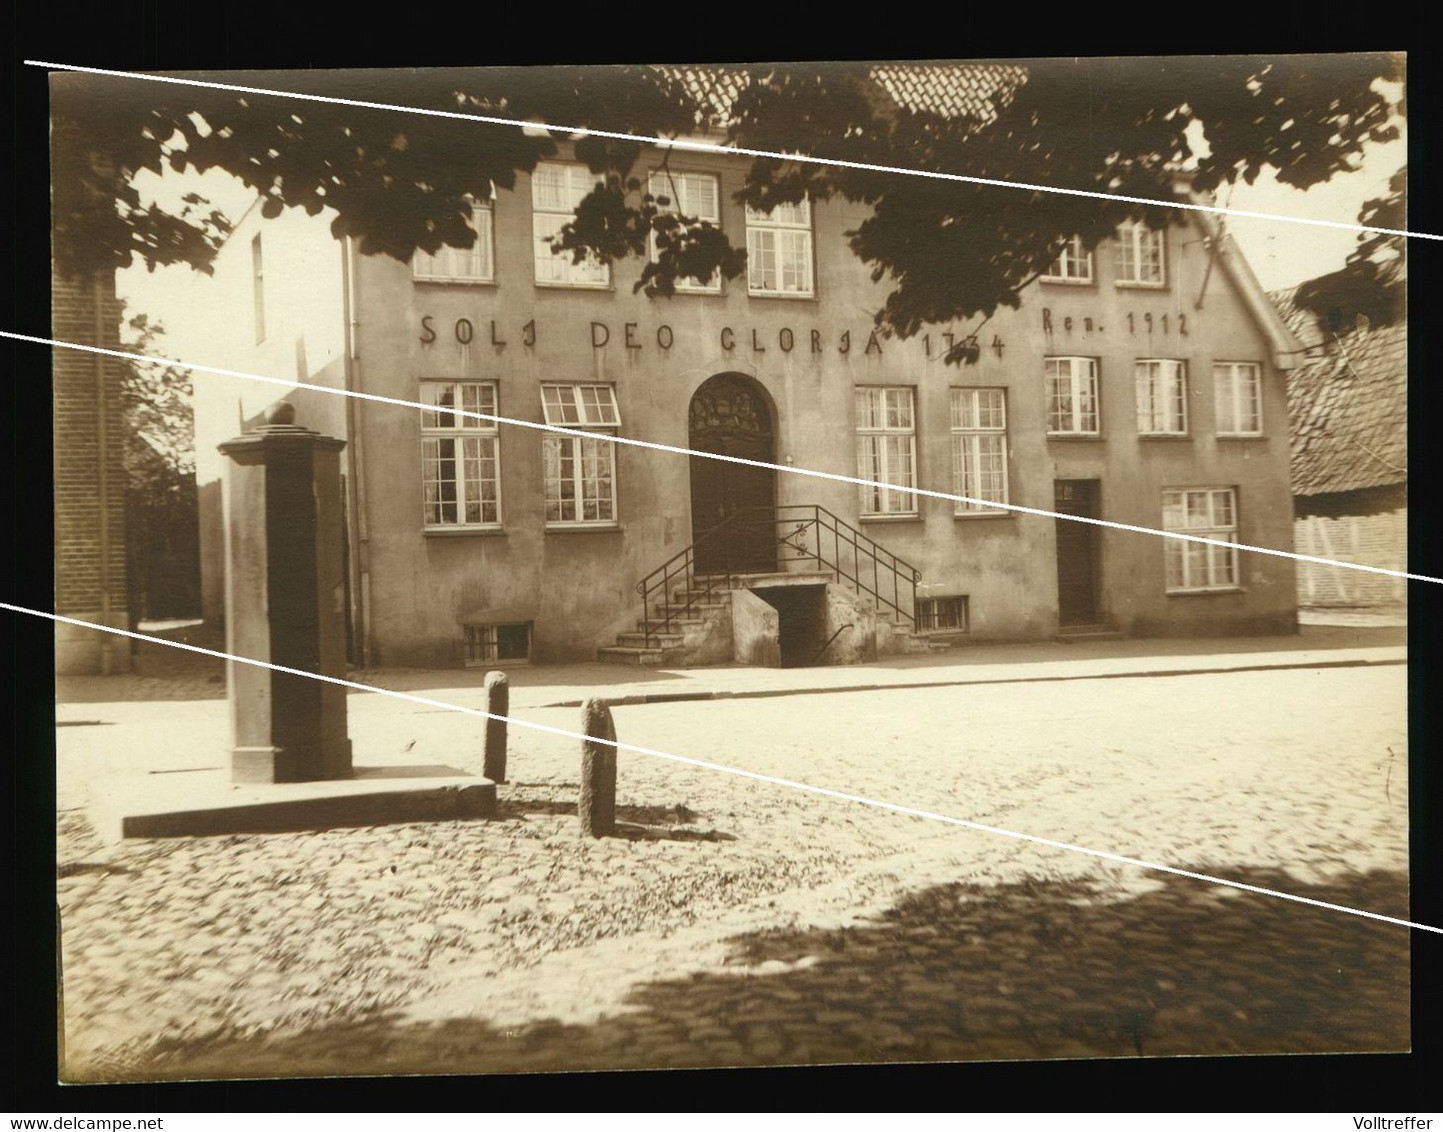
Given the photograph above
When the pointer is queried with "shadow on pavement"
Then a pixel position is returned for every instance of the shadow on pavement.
(634, 823)
(951, 973)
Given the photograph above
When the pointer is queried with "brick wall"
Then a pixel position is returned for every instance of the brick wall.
(87, 587)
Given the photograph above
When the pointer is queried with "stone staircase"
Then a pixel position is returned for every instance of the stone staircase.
(699, 629)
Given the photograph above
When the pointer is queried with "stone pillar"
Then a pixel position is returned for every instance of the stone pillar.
(597, 805)
(285, 602)
(498, 702)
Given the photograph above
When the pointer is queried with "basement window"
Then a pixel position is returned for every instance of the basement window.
(942, 614)
(493, 644)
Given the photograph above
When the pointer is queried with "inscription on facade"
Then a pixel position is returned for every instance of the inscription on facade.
(633, 337)
(1146, 323)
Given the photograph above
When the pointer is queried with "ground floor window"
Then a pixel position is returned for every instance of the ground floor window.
(1161, 397)
(487, 644)
(580, 470)
(942, 613)
(1072, 397)
(1210, 512)
(979, 449)
(460, 474)
(886, 449)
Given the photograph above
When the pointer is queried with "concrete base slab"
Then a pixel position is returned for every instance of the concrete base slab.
(204, 801)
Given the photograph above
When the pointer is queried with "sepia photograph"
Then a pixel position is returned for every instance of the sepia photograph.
(572, 568)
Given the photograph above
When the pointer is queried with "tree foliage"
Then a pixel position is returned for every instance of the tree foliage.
(161, 516)
(948, 250)
(1374, 280)
(159, 415)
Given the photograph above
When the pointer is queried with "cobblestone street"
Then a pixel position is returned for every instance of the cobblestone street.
(738, 922)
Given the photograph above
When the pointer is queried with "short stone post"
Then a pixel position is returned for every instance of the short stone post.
(285, 602)
(498, 700)
(598, 771)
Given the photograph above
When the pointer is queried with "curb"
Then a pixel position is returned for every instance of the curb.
(770, 693)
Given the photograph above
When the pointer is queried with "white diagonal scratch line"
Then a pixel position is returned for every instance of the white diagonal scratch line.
(739, 772)
(658, 447)
(713, 147)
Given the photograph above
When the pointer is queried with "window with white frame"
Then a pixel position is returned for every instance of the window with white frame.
(979, 449)
(556, 190)
(779, 250)
(1140, 256)
(1210, 512)
(475, 264)
(460, 473)
(942, 614)
(580, 470)
(886, 449)
(1072, 397)
(697, 195)
(491, 644)
(1072, 265)
(1161, 397)
(1239, 391)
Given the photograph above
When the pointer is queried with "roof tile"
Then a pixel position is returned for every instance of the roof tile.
(1348, 404)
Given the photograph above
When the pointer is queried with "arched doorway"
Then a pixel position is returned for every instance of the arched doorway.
(730, 415)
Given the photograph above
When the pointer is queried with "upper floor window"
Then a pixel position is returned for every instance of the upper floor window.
(1239, 390)
(476, 264)
(460, 473)
(886, 449)
(979, 449)
(1140, 261)
(1161, 398)
(556, 190)
(1209, 512)
(580, 470)
(779, 250)
(697, 195)
(1072, 397)
(1073, 264)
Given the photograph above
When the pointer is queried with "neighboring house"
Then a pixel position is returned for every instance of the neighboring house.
(90, 547)
(1141, 383)
(1348, 402)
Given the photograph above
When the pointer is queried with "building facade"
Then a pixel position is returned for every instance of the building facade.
(1140, 384)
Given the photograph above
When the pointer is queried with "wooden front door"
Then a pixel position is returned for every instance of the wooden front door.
(1077, 552)
(729, 415)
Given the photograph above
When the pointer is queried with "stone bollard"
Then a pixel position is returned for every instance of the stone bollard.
(598, 771)
(498, 699)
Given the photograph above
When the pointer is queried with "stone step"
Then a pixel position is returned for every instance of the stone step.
(657, 640)
(618, 654)
(681, 597)
(674, 626)
(698, 611)
(775, 577)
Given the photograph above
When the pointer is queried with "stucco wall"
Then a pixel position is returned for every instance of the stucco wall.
(577, 586)
(303, 340)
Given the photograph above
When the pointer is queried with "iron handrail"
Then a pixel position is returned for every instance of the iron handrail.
(794, 521)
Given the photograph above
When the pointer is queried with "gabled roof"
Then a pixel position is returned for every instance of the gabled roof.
(1348, 404)
(953, 90)
(1283, 342)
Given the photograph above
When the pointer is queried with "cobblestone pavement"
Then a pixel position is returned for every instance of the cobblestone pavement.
(736, 922)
